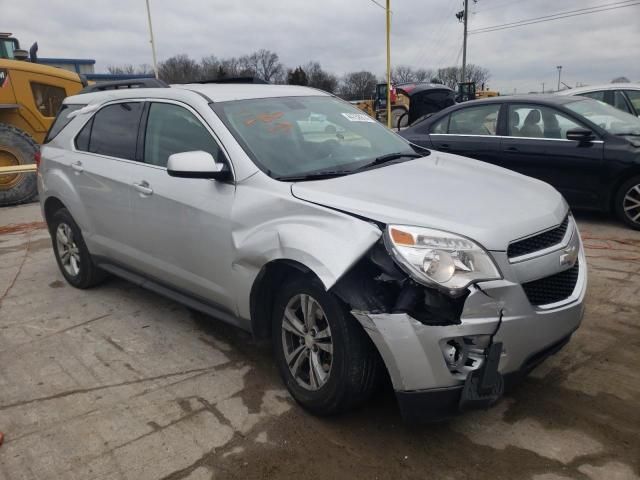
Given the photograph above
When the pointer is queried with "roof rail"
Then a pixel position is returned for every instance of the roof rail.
(120, 84)
(234, 80)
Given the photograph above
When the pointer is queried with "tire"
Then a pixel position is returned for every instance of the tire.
(627, 202)
(72, 255)
(17, 148)
(351, 370)
(403, 121)
(397, 114)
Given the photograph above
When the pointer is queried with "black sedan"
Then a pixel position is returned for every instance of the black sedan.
(586, 149)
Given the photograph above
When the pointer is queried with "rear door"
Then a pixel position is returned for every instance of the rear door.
(536, 145)
(100, 167)
(181, 226)
(470, 131)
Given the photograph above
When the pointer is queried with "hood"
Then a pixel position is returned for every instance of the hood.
(486, 203)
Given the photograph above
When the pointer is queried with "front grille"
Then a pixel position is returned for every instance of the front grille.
(552, 289)
(539, 242)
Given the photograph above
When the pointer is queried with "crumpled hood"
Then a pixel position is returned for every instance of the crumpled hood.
(486, 203)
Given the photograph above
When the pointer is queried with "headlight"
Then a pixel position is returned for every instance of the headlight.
(439, 259)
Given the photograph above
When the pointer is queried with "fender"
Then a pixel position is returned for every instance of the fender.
(326, 241)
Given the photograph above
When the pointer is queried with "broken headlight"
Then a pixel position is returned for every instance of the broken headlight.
(439, 259)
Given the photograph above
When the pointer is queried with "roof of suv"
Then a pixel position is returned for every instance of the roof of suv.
(212, 91)
(606, 86)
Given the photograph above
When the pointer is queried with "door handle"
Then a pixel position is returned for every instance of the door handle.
(143, 187)
(512, 149)
(77, 166)
(444, 146)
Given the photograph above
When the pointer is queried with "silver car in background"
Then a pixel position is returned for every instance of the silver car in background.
(355, 255)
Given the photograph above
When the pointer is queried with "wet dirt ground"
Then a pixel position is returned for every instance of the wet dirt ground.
(119, 383)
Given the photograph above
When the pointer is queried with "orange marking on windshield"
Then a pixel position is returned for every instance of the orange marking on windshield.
(284, 127)
(264, 118)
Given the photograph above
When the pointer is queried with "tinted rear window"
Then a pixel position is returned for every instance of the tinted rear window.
(61, 121)
(114, 131)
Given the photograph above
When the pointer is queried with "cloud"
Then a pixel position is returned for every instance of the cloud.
(344, 35)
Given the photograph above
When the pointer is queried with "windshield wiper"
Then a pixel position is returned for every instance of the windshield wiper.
(388, 158)
(313, 175)
(628, 134)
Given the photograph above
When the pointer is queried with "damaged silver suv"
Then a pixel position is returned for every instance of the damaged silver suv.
(353, 253)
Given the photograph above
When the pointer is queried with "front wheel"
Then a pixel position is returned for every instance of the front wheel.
(324, 357)
(627, 203)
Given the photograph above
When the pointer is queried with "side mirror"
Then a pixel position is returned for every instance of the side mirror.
(197, 164)
(581, 135)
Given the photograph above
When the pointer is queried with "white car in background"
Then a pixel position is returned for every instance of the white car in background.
(623, 96)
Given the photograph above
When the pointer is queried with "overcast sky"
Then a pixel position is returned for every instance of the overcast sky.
(343, 35)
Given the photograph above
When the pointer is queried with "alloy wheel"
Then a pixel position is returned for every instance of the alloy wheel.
(631, 204)
(307, 342)
(67, 249)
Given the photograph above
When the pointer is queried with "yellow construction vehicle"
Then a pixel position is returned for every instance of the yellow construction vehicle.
(467, 91)
(30, 96)
(409, 102)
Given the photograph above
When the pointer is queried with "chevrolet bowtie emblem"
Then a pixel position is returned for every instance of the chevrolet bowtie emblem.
(569, 256)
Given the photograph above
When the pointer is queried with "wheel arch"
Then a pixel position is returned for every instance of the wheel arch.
(264, 290)
(629, 173)
(51, 206)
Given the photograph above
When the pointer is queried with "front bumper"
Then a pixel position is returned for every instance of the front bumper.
(499, 311)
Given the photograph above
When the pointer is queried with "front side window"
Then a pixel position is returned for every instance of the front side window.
(47, 98)
(537, 121)
(113, 131)
(174, 129)
(477, 120)
(301, 136)
(634, 98)
(606, 117)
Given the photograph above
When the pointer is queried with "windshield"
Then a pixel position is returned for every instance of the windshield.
(607, 117)
(299, 136)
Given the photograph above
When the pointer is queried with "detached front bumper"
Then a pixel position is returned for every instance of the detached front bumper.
(427, 386)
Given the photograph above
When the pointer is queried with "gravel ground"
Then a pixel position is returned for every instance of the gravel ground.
(117, 382)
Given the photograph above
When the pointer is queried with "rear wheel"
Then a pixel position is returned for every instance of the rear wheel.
(71, 252)
(323, 355)
(16, 148)
(627, 203)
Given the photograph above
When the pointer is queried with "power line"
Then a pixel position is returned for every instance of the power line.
(379, 4)
(559, 13)
(557, 16)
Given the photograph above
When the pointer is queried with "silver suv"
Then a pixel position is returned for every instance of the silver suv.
(355, 255)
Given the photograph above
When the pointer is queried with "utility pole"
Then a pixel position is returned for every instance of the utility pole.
(388, 63)
(542, 87)
(464, 41)
(559, 67)
(153, 43)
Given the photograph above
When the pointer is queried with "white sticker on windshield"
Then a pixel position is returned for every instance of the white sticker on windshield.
(358, 117)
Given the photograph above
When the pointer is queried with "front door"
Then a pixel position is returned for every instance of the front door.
(181, 226)
(537, 146)
(470, 132)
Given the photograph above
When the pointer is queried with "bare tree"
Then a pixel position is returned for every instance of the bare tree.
(450, 76)
(267, 66)
(209, 67)
(423, 75)
(129, 69)
(179, 69)
(403, 74)
(358, 85)
(318, 78)
(621, 80)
